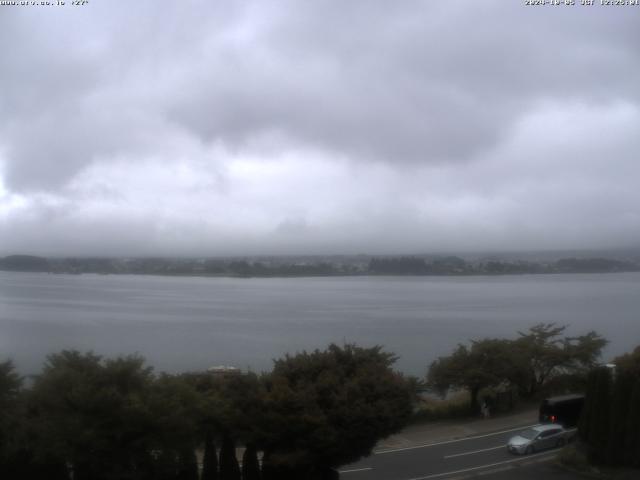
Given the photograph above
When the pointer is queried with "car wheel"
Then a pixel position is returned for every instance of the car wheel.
(560, 443)
(529, 450)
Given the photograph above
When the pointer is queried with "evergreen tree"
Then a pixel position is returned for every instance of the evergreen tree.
(229, 468)
(210, 459)
(632, 434)
(166, 466)
(328, 408)
(188, 466)
(588, 410)
(620, 410)
(598, 414)
(12, 422)
(250, 464)
(628, 367)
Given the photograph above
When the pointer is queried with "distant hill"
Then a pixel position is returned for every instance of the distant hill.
(24, 263)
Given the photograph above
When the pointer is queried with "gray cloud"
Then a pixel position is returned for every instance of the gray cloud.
(227, 127)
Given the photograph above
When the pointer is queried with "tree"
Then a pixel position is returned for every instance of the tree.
(595, 418)
(210, 459)
(628, 368)
(250, 464)
(487, 363)
(528, 362)
(174, 405)
(93, 414)
(229, 468)
(632, 434)
(629, 363)
(327, 408)
(229, 410)
(12, 424)
(187, 465)
(546, 354)
(10, 385)
(619, 417)
(610, 421)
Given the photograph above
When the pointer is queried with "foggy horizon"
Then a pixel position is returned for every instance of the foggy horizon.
(515, 254)
(246, 129)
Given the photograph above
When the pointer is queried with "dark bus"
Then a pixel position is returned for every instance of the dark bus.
(564, 410)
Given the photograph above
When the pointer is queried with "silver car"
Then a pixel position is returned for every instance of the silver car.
(538, 438)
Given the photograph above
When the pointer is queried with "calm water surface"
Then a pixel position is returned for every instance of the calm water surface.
(182, 323)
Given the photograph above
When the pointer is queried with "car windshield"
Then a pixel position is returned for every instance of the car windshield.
(529, 434)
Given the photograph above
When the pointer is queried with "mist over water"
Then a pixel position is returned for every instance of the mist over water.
(186, 323)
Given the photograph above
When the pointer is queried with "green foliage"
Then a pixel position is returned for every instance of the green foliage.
(610, 422)
(632, 434)
(228, 405)
(187, 465)
(210, 458)
(487, 363)
(11, 421)
(528, 363)
(176, 409)
(628, 369)
(563, 383)
(547, 354)
(229, 468)
(250, 464)
(629, 363)
(328, 408)
(595, 418)
(620, 409)
(111, 419)
(104, 417)
(456, 406)
(10, 385)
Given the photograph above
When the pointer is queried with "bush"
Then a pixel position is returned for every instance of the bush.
(430, 409)
(574, 457)
(564, 384)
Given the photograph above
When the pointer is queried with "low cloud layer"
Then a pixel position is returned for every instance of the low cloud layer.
(212, 128)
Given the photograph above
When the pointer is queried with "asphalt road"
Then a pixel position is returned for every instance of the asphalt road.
(449, 459)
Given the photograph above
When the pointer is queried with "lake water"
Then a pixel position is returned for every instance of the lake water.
(183, 323)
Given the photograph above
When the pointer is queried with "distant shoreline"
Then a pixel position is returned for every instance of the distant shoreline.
(313, 267)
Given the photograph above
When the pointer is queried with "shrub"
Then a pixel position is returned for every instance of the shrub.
(574, 457)
(430, 409)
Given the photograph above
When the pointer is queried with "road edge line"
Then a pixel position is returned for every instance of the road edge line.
(425, 445)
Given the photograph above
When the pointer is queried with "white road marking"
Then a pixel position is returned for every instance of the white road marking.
(356, 470)
(475, 451)
(436, 475)
(392, 450)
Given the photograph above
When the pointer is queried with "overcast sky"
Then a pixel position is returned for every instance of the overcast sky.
(240, 127)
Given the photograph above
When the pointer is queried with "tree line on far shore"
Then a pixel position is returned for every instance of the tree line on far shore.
(312, 266)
